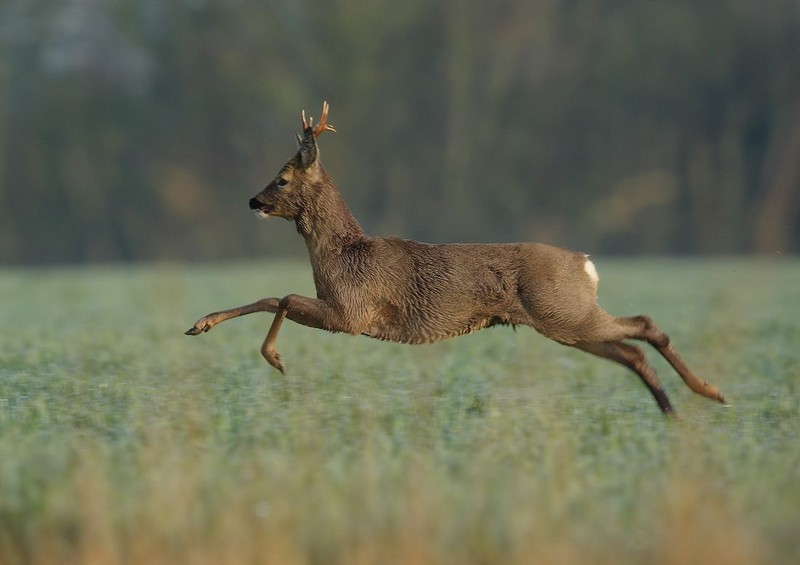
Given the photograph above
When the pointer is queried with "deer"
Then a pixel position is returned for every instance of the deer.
(411, 292)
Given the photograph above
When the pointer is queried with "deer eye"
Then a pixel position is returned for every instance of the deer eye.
(281, 182)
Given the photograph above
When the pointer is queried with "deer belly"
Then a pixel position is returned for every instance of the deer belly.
(416, 328)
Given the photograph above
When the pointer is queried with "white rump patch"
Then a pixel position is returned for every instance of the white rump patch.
(591, 271)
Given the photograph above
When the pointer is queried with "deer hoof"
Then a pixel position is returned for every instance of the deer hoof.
(200, 326)
(274, 359)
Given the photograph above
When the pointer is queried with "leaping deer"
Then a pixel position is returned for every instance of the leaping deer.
(410, 292)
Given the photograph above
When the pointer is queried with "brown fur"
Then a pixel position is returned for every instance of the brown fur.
(411, 292)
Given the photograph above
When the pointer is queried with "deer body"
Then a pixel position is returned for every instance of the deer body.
(411, 292)
(454, 289)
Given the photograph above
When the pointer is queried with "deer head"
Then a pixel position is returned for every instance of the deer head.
(288, 193)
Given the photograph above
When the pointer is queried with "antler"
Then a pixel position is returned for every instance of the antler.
(323, 124)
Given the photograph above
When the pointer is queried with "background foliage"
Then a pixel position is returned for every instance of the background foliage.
(138, 129)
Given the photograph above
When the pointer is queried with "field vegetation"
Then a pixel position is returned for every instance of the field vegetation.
(124, 441)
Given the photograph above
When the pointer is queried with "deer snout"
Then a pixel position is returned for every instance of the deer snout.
(262, 210)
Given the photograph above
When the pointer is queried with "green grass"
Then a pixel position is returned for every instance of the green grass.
(124, 441)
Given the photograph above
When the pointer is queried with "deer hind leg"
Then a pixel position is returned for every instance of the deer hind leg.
(643, 328)
(210, 320)
(634, 358)
(310, 312)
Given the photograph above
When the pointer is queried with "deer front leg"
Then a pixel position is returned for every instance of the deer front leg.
(311, 312)
(209, 321)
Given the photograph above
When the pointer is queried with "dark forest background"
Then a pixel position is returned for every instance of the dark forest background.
(139, 129)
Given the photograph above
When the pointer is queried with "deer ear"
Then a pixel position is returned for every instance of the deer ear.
(308, 148)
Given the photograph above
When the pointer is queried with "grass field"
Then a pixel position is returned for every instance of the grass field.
(124, 441)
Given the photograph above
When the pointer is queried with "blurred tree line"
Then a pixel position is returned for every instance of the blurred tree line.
(139, 129)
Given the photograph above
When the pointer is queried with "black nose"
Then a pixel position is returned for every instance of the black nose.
(255, 204)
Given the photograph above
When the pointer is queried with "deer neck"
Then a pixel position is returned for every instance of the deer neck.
(326, 223)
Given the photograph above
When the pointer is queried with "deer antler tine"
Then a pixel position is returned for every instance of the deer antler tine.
(328, 127)
(307, 123)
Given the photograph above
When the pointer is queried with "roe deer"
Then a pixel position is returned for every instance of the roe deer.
(411, 292)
